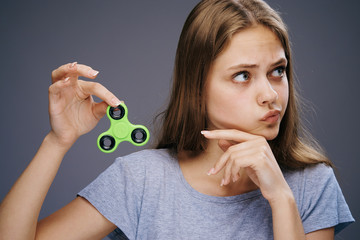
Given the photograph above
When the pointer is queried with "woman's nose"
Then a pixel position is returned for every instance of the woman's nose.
(266, 93)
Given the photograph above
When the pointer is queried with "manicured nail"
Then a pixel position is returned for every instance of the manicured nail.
(66, 79)
(116, 101)
(211, 171)
(234, 179)
(73, 64)
(204, 132)
(93, 73)
(222, 182)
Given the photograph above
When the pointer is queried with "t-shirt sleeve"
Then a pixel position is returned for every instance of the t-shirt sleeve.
(116, 194)
(323, 204)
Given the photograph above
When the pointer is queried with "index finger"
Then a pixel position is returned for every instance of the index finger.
(71, 69)
(230, 135)
(97, 89)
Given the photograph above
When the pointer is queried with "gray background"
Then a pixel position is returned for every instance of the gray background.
(132, 44)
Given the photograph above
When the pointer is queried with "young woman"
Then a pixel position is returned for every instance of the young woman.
(231, 162)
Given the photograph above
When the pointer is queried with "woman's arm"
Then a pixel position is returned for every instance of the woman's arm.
(252, 153)
(287, 221)
(20, 209)
(77, 220)
(322, 234)
(72, 114)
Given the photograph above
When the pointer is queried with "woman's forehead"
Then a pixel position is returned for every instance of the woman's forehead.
(252, 46)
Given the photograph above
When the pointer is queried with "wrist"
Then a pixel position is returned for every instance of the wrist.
(52, 140)
(285, 198)
(287, 223)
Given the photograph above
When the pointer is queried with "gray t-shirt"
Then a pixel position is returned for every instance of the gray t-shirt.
(146, 196)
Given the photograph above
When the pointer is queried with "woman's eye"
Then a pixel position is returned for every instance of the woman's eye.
(242, 77)
(278, 72)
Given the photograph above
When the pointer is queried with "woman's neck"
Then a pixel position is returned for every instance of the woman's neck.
(195, 169)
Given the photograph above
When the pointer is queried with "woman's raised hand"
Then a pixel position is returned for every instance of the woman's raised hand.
(252, 153)
(72, 109)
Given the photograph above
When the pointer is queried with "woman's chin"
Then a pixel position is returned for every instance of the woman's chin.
(270, 137)
(268, 134)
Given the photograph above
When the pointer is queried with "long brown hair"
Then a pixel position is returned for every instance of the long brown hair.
(206, 32)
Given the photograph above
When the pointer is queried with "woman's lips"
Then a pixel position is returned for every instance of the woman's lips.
(272, 116)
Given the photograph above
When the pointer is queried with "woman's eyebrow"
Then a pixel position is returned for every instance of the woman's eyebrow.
(280, 61)
(243, 66)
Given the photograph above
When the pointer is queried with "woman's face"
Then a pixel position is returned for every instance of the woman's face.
(247, 86)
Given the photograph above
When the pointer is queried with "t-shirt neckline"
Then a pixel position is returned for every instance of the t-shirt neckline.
(208, 198)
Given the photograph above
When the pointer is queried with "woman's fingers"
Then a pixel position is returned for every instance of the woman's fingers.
(251, 154)
(229, 154)
(94, 88)
(230, 135)
(251, 161)
(57, 87)
(73, 69)
(63, 71)
(236, 160)
(241, 151)
(99, 109)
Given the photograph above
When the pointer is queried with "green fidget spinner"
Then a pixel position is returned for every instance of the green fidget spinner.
(121, 130)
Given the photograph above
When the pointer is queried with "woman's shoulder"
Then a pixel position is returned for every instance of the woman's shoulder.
(152, 155)
(319, 196)
(147, 154)
(316, 172)
(147, 159)
(310, 181)
(135, 169)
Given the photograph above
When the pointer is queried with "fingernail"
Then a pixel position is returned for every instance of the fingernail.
(211, 171)
(73, 64)
(222, 182)
(116, 101)
(204, 132)
(93, 73)
(234, 179)
(66, 79)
